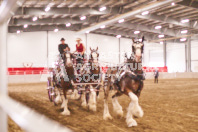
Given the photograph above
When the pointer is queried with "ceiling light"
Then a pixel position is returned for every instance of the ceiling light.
(35, 18)
(145, 13)
(87, 31)
(102, 8)
(173, 4)
(118, 36)
(25, 26)
(136, 32)
(161, 36)
(83, 18)
(121, 20)
(68, 24)
(184, 31)
(140, 40)
(184, 20)
(47, 9)
(18, 31)
(183, 39)
(158, 27)
(161, 42)
(56, 30)
(102, 26)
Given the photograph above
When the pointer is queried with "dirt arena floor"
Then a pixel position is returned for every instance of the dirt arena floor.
(170, 106)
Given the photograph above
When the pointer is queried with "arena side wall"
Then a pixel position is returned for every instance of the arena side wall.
(41, 78)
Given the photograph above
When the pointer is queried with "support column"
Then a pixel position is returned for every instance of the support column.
(188, 51)
(3, 72)
(164, 53)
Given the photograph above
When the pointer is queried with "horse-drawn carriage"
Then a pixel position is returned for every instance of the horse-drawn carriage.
(89, 78)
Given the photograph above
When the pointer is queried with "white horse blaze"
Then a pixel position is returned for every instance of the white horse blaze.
(117, 107)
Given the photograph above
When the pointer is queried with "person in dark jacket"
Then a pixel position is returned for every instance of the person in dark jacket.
(156, 75)
(63, 47)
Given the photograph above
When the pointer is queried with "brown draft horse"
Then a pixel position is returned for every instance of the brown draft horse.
(93, 71)
(66, 80)
(132, 85)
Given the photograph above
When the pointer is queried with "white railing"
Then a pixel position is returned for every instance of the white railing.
(27, 118)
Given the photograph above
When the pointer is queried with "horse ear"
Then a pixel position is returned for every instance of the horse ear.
(142, 39)
(90, 49)
(97, 48)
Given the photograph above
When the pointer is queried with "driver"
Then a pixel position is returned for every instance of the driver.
(63, 47)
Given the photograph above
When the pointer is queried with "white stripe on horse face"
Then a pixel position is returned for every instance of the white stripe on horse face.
(94, 55)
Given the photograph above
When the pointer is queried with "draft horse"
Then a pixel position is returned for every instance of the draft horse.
(93, 73)
(132, 85)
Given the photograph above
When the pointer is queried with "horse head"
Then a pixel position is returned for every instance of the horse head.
(138, 49)
(94, 55)
(68, 59)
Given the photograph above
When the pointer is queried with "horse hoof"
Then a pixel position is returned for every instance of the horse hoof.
(84, 105)
(65, 113)
(138, 112)
(119, 113)
(132, 123)
(92, 108)
(107, 117)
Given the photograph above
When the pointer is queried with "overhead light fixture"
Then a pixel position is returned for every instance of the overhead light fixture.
(161, 42)
(102, 8)
(68, 24)
(121, 21)
(103, 26)
(140, 40)
(136, 32)
(161, 36)
(145, 13)
(158, 27)
(35, 18)
(87, 31)
(47, 9)
(56, 30)
(118, 36)
(82, 17)
(184, 31)
(184, 20)
(183, 39)
(173, 4)
(18, 31)
(25, 26)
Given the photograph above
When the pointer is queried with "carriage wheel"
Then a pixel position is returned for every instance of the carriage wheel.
(50, 91)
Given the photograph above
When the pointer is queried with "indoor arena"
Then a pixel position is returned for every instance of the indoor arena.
(98, 65)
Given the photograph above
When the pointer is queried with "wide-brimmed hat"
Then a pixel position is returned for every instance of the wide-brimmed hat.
(79, 39)
(62, 39)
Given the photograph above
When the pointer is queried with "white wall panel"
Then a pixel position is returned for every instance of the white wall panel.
(153, 55)
(194, 56)
(54, 41)
(176, 57)
(108, 47)
(27, 47)
(125, 47)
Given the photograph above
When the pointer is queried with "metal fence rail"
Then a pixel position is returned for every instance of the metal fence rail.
(27, 118)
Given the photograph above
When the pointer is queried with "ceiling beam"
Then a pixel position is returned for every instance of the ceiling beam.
(65, 10)
(189, 3)
(150, 29)
(74, 20)
(122, 33)
(165, 19)
(126, 15)
(33, 28)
